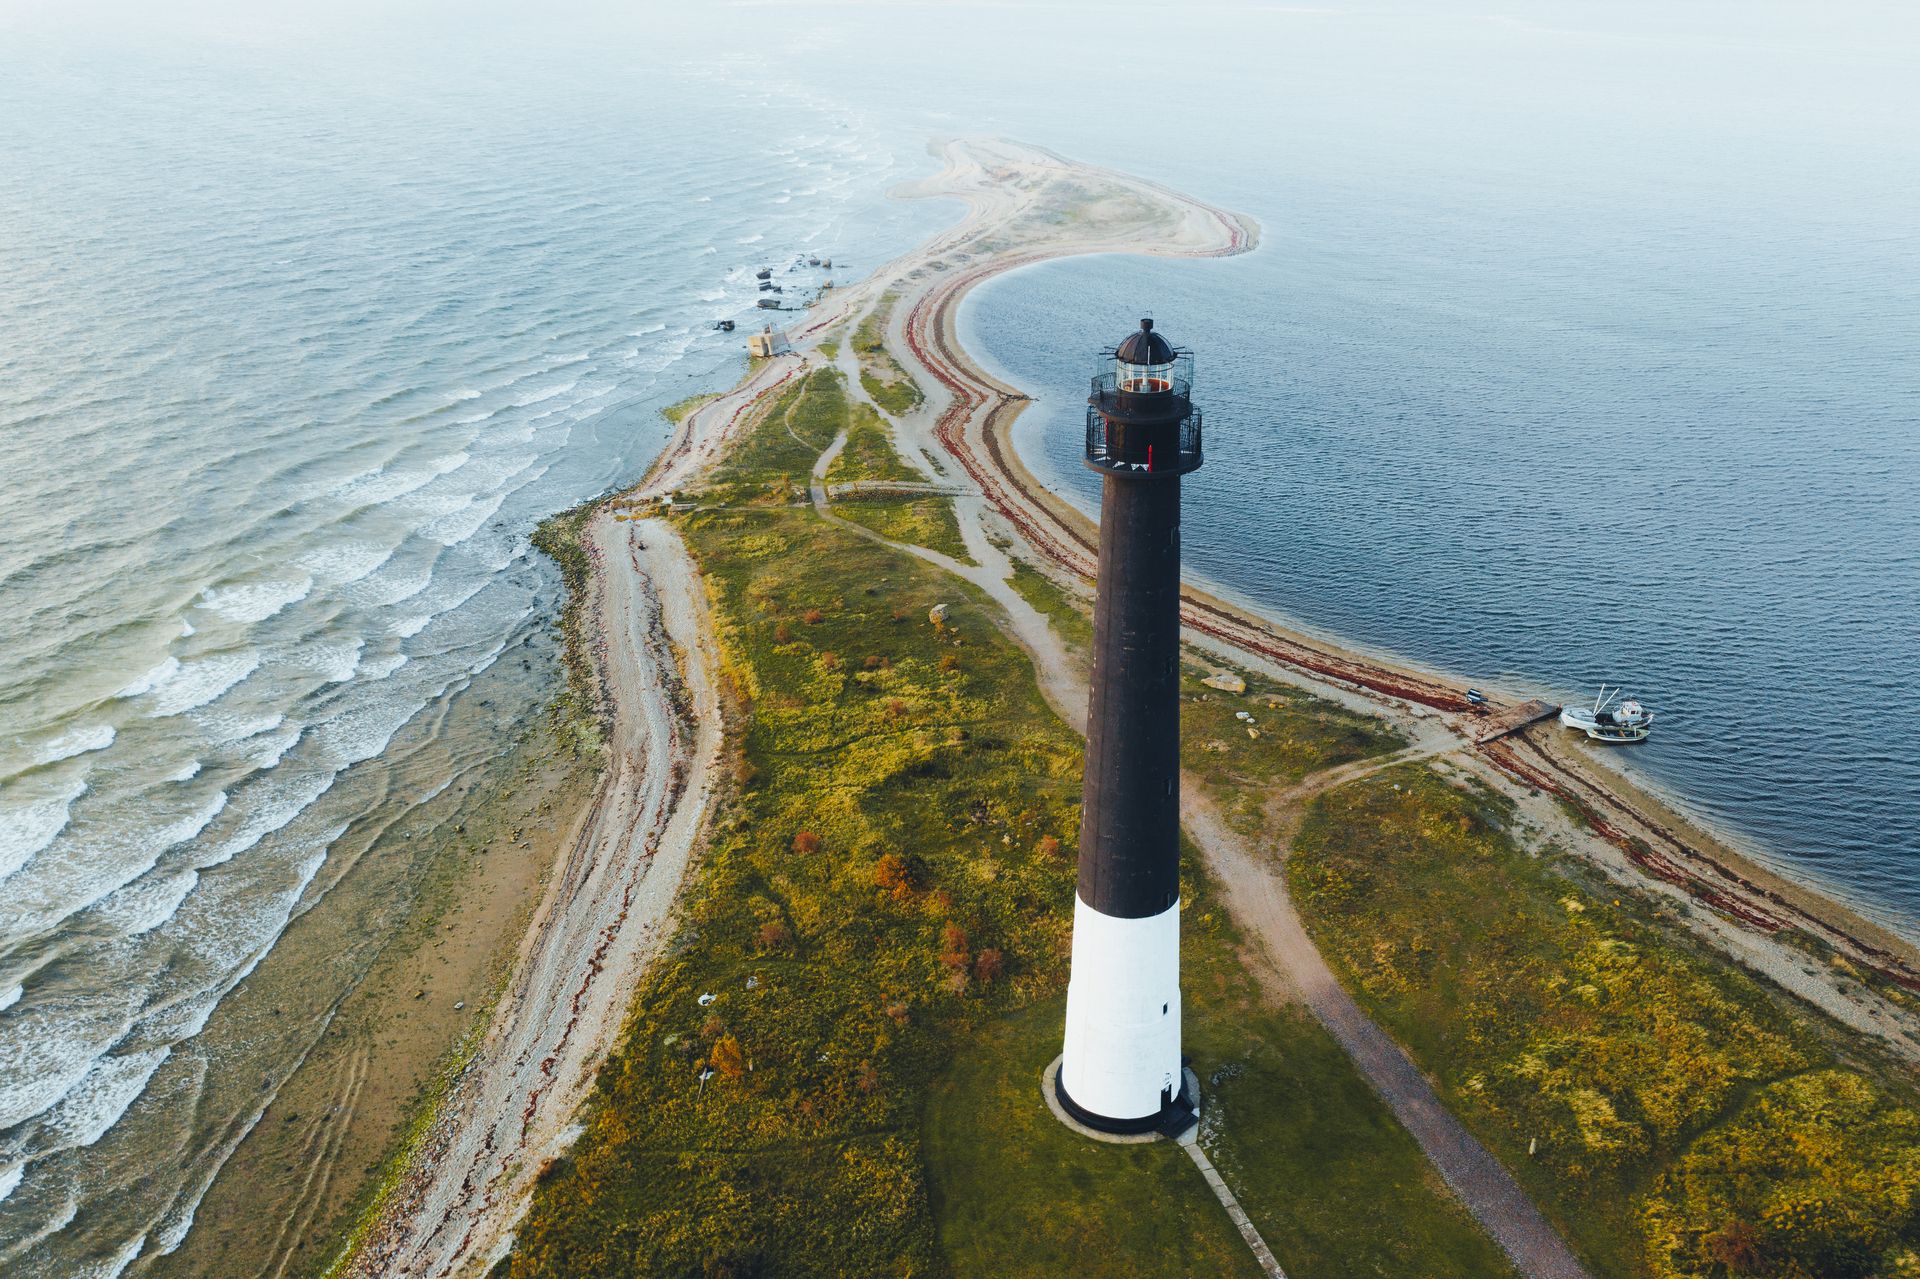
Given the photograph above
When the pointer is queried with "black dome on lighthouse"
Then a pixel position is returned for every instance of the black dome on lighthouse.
(1144, 347)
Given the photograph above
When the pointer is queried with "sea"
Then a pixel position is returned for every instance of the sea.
(1580, 346)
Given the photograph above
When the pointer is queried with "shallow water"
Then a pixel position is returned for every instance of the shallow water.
(297, 343)
(1576, 350)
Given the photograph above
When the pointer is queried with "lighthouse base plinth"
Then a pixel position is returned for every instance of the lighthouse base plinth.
(1172, 1122)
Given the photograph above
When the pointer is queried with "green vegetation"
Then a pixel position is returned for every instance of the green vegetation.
(891, 386)
(829, 348)
(887, 873)
(883, 915)
(870, 457)
(1685, 1118)
(923, 521)
(1070, 621)
(579, 713)
(869, 453)
(1290, 733)
(1334, 1184)
(773, 461)
(1016, 1193)
(678, 413)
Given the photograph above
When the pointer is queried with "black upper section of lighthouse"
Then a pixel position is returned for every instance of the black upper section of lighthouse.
(1143, 434)
(1140, 414)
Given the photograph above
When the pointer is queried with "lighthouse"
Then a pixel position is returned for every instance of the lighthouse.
(1120, 1069)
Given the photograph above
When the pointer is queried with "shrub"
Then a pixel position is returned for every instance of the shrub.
(988, 966)
(813, 617)
(773, 935)
(727, 1057)
(1050, 848)
(806, 842)
(782, 633)
(892, 873)
(953, 947)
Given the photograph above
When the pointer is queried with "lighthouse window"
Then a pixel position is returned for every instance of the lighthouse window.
(1163, 1010)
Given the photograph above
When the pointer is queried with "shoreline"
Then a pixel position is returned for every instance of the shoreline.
(1741, 858)
(456, 1215)
(313, 1160)
(1665, 845)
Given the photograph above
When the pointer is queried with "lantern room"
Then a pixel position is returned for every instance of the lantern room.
(1140, 415)
(1144, 363)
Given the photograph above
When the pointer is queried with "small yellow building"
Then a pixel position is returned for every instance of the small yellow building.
(767, 343)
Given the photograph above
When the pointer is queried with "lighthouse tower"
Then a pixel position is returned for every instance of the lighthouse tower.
(1121, 1067)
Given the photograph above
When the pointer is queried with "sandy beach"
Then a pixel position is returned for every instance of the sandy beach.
(608, 908)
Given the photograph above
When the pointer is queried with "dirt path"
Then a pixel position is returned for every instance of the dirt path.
(1256, 890)
(607, 909)
(998, 511)
(605, 915)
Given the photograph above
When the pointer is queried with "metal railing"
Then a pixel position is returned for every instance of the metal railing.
(1135, 456)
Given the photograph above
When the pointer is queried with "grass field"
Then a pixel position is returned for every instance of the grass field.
(1288, 733)
(891, 386)
(882, 918)
(1685, 1118)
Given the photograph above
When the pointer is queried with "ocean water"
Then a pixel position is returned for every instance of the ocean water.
(301, 332)
(1577, 349)
(1580, 346)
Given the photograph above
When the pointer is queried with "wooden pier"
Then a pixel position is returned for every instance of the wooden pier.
(1511, 719)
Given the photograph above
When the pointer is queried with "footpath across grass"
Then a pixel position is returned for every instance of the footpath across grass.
(835, 1069)
(891, 386)
(1675, 1115)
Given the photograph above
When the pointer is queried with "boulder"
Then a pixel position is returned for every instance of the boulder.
(937, 614)
(1226, 682)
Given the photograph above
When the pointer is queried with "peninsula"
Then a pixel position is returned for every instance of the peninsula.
(786, 997)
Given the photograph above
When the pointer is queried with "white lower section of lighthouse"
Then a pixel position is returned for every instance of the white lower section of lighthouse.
(1122, 1055)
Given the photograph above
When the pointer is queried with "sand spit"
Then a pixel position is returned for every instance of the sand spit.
(608, 908)
(971, 427)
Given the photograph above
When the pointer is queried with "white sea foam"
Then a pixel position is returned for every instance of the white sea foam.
(385, 485)
(145, 904)
(270, 750)
(202, 680)
(10, 1178)
(152, 679)
(347, 562)
(280, 808)
(75, 741)
(364, 731)
(11, 996)
(392, 585)
(457, 526)
(335, 663)
(41, 1059)
(222, 728)
(29, 826)
(186, 773)
(248, 602)
(540, 397)
(378, 668)
(103, 1094)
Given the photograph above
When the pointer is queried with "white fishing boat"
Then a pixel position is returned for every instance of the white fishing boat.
(1605, 721)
